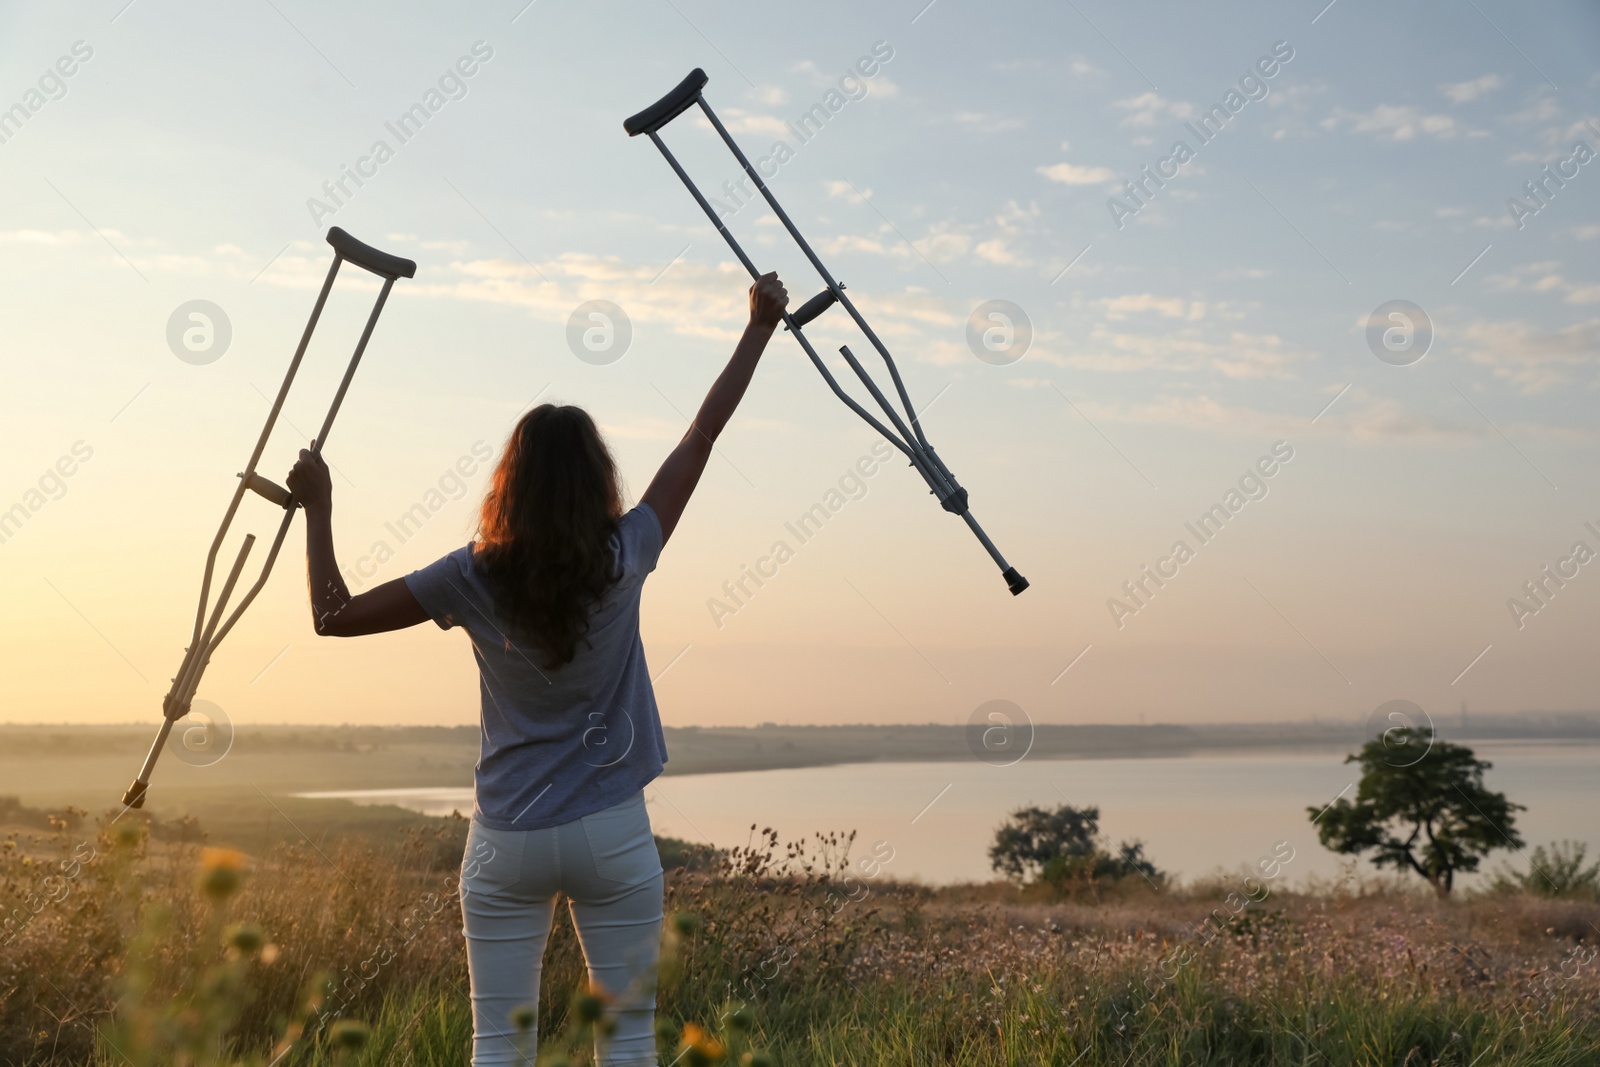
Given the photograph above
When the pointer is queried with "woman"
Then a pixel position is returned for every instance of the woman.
(549, 596)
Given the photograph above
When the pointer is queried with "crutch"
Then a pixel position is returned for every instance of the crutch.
(209, 632)
(907, 434)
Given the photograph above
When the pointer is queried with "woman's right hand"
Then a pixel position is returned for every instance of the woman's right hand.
(768, 299)
(310, 482)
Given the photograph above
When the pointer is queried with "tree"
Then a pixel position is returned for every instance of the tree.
(1064, 846)
(1427, 813)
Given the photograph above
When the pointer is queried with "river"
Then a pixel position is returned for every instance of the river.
(1197, 815)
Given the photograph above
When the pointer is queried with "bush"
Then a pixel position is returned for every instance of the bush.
(1556, 872)
(1064, 849)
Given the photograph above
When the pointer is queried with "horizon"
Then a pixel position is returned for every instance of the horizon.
(1533, 715)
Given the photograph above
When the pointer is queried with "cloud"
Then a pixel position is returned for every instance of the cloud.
(1012, 223)
(1147, 109)
(1192, 345)
(1468, 91)
(41, 237)
(986, 121)
(1357, 415)
(1072, 174)
(941, 247)
(1397, 123)
(1118, 307)
(1542, 277)
(737, 120)
(1537, 360)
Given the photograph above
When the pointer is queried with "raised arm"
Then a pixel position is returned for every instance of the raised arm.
(674, 483)
(334, 612)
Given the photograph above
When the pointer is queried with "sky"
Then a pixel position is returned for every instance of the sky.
(1200, 341)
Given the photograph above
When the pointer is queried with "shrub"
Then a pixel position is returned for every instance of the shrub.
(1554, 872)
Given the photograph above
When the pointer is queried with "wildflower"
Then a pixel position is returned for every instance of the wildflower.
(523, 1018)
(687, 924)
(589, 1007)
(350, 1034)
(741, 1019)
(244, 938)
(701, 1046)
(221, 872)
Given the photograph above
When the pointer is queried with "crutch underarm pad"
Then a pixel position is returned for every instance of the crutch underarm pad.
(1014, 581)
(364, 255)
(668, 107)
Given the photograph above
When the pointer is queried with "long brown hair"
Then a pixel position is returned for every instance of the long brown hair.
(545, 525)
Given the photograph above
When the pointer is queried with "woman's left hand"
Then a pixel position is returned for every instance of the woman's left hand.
(310, 482)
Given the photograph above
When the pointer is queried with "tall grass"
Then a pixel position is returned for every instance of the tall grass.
(157, 952)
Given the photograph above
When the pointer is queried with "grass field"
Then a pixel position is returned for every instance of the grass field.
(802, 953)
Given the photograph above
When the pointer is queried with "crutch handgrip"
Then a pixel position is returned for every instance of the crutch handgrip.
(814, 307)
(265, 487)
(668, 107)
(364, 255)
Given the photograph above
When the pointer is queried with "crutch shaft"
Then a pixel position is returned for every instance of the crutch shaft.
(249, 597)
(207, 635)
(699, 198)
(907, 435)
(190, 679)
(134, 797)
(1014, 581)
(261, 444)
(816, 262)
(789, 319)
(942, 486)
(355, 360)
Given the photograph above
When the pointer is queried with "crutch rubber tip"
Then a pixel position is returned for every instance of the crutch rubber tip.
(134, 797)
(1014, 581)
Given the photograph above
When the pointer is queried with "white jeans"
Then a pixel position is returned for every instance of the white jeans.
(608, 867)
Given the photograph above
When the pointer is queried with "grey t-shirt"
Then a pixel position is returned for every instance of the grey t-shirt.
(557, 744)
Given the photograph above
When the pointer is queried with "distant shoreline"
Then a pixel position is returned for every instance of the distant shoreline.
(379, 756)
